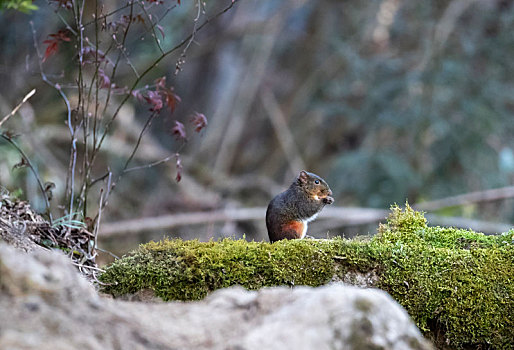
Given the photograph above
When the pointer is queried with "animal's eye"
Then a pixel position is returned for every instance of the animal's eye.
(316, 182)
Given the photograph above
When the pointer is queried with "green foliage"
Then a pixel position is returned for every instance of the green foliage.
(25, 6)
(458, 285)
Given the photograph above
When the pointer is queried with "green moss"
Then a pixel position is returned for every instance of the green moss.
(458, 285)
(454, 281)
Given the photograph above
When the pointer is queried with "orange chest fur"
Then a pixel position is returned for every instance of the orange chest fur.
(296, 228)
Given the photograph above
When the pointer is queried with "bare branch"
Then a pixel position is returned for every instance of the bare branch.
(151, 67)
(138, 142)
(59, 90)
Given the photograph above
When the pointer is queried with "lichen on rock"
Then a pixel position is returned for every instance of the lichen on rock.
(458, 285)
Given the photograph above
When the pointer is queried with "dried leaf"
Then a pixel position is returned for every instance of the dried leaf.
(139, 19)
(178, 164)
(138, 95)
(92, 55)
(160, 83)
(8, 134)
(170, 98)
(49, 186)
(199, 121)
(161, 29)
(21, 164)
(179, 131)
(154, 99)
(105, 81)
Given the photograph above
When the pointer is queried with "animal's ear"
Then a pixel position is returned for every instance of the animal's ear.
(303, 177)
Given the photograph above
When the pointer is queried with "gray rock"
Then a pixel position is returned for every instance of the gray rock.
(46, 304)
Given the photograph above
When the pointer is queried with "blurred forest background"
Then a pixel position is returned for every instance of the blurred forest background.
(388, 100)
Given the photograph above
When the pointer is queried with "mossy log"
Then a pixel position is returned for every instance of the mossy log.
(457, 285)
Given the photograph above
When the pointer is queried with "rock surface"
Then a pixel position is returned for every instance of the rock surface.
(45, 304)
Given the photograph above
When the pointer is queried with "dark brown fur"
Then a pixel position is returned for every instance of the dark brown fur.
(289, 212)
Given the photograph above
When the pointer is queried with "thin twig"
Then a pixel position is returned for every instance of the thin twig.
(110, 13)
(33, 169)
(79, 13)
(108, 252)
(123, 50)
(152, 27)
(182, 59)
(147, 166)
(97, 224)
(155, 24)
(13, 112)
(87, 267)
(101, 178)
(138, 142)
(66, 24)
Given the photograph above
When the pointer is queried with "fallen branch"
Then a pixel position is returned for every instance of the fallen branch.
(340, 215)
(467, 198)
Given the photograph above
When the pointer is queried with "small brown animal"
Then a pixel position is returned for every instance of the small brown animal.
(289, 212)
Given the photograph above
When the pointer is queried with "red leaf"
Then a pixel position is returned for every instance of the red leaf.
(179, 131)
(199, 120)
(61, 35)
(170, 98)
(54, 41)
(50, 49)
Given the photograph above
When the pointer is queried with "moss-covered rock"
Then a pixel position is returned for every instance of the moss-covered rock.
(458, 285)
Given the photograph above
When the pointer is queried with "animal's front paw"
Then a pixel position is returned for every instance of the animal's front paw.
(328, 200)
